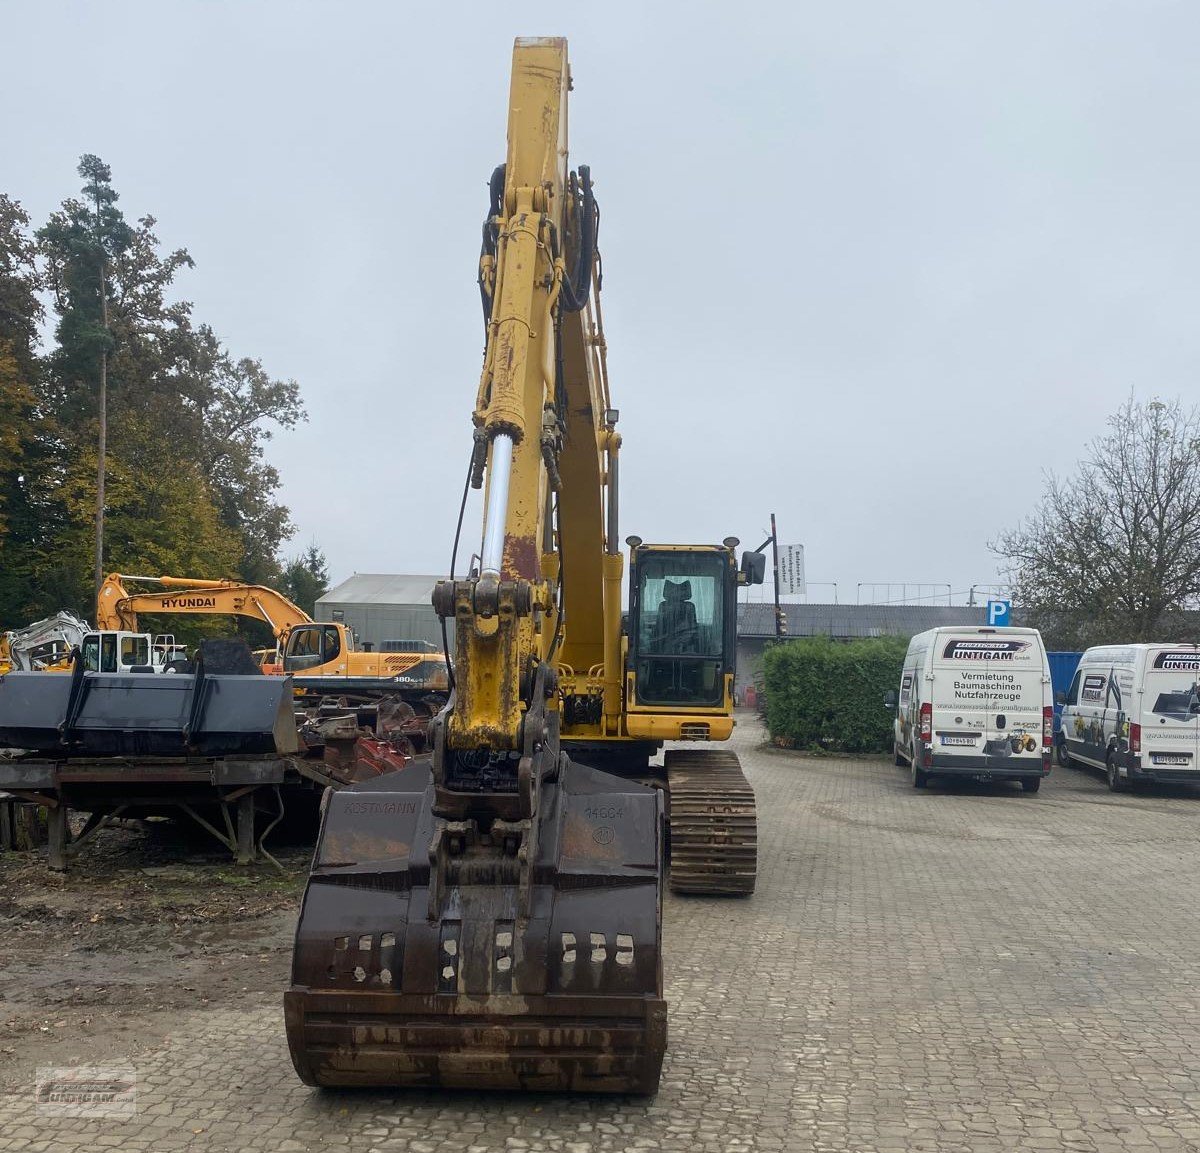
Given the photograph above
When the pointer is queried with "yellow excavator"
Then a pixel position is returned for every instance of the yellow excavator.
(321, 657)
(493, 917)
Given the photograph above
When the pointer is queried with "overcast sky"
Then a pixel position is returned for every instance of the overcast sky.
(869, 266)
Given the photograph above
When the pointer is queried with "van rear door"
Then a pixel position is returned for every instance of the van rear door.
(988, 694)
(1170, 714)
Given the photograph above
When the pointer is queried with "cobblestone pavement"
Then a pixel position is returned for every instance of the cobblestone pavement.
(960, 968)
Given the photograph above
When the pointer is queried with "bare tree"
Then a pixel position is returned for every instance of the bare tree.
(1113, 553)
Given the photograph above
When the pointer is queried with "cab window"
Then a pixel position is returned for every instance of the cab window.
(332, 644)
(90, 653)
(305, 643)
(1094, 689)
(134, 651)
(108, 653)
(679, 630)
(1073, 691)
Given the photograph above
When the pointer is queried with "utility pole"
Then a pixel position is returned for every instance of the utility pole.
(775, 563)
(773, 541)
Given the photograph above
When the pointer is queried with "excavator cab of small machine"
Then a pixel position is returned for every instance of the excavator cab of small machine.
(115, 651)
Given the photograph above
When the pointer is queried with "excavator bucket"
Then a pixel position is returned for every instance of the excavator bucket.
(139, 714)
(497, 972)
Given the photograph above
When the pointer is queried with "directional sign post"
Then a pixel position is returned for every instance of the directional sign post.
(999, 612)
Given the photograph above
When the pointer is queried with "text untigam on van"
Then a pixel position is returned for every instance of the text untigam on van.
(976, 703)
(1134, 711)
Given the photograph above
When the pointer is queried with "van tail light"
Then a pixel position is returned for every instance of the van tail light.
(1047, 726)
(1135, 738)
(926, 721)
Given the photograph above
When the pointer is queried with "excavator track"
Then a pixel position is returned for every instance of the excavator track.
(713, 823)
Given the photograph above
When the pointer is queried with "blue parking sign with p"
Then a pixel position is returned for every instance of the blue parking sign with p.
(998, 612)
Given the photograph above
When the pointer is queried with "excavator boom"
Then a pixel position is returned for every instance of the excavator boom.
(117, 606)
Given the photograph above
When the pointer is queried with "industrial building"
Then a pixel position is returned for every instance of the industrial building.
(385, 607)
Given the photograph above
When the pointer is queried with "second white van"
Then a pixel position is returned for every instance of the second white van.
(976, 703)
(1134, 711)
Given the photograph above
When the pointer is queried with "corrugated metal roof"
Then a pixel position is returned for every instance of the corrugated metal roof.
(381, 589)
(806, 620)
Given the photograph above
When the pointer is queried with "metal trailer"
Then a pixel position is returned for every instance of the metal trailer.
(222, 795)
(221, 748)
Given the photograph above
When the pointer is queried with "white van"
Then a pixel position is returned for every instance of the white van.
(1134, 711)
(976, 702)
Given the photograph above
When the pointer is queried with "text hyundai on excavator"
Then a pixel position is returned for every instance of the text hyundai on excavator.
(494, 919)
(320, 656)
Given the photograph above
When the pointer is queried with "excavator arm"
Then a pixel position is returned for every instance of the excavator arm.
(117, 607)
(547, 596)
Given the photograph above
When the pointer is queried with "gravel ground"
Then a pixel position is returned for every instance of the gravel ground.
(959, 968)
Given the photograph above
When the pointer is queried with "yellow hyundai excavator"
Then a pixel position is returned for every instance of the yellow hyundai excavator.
(321, 657)
(493, 918)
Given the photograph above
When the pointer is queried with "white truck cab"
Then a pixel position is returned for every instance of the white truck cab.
(117, 651)
(975, 703)
(1134, 711)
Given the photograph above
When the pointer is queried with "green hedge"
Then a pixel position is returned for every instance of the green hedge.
(823, 694)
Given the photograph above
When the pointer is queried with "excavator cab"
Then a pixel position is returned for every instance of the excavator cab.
(312, 646)
(682, 624)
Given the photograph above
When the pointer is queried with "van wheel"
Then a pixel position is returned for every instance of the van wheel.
(899, 759)
(1032, 786)
(1116, 783)
(1060, 753)
(919, 778)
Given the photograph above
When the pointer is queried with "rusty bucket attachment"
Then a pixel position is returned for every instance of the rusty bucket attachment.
(441, 953)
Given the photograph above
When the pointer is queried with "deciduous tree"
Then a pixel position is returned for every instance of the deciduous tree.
(190, 491)
(20, 314)
(1112, 553)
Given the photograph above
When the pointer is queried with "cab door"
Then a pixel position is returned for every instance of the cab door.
(903, 725)
(304, 649)
(1071, 725)
(333, 659)
(1093, 696)
(1115, 732)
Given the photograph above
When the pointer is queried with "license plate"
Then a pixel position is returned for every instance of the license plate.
(1171, 759)
(970, 741)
